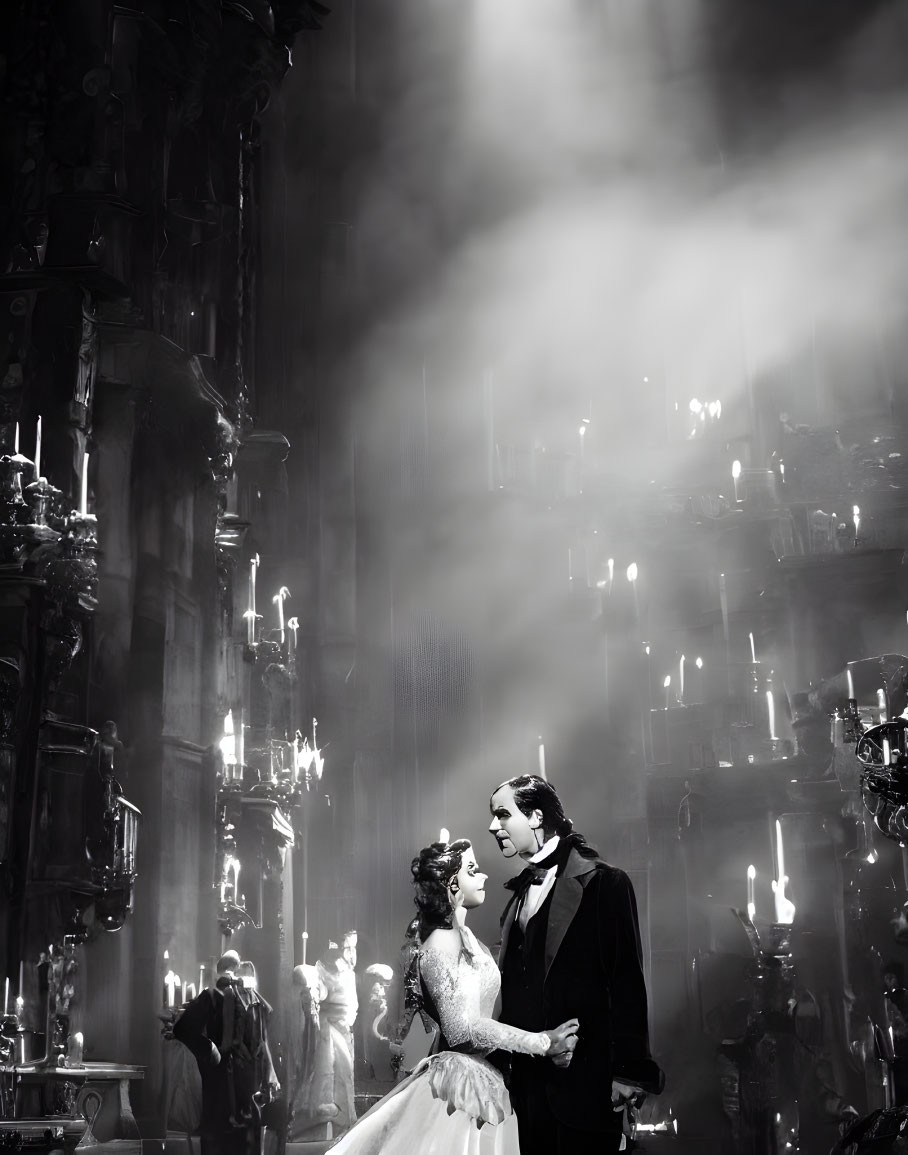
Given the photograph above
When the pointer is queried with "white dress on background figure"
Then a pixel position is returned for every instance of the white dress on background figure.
(455, 1102)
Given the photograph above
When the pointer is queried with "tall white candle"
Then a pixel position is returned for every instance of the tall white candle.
(849, 681)
(21, 976)
(541, 758)
(784, 907)
(83, 500)
(751, 905)
(753, 649)
(305, 937)
(667, 687)
(771, 708)
(6, 997)
(278, 600)
(681, 680)
(16, 439)
(38, 450)
(253, 564)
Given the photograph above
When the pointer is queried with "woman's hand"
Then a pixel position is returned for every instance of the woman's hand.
(562, 1041)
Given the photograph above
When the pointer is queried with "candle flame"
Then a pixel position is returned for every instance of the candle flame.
(632, 572)
(736, 469)
(667, 682)
(751, 871)
(699, 663)
(444, 835)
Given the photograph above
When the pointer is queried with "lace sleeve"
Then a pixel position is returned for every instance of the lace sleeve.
(453, 983)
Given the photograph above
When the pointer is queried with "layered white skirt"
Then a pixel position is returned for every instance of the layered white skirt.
(452, 1104)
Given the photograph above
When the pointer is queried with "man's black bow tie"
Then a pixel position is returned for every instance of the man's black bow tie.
(529, 876)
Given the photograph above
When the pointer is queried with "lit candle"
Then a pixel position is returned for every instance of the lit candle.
(735, 474)
(293, 625)
(241, 742)
(169, 977)
(189, 993)
(236, 881)
(38, 450)
(849, 681)
(83, 500)
(882, 704)
(20, 1006)
(753, 649)
(771, 708)
(250, 613)
(611, 577)
(279, 602)
(228, 742)
(887, 753)
(305, 937)
(667, 686)
(6, 997)
(444, 836)
(681, 680)
(21, 977)
(541, 757)
(16, 439)
(785, 908)
(751, 906)
(632, 578)
(202, 977)
(856, 518)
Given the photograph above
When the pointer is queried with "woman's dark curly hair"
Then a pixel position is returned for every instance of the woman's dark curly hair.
(432, 870)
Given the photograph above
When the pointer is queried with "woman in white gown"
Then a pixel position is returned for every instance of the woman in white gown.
(454, 1102)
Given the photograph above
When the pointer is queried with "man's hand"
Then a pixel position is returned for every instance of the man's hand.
(624, 1093)
(563, 1040)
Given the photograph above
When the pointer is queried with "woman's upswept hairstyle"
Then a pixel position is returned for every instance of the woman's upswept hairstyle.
(432, 870)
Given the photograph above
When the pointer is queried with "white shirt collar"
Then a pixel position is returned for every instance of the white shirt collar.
(546, 849)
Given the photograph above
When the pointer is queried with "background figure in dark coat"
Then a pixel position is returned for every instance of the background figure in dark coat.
(570, 948)
(226, 1029)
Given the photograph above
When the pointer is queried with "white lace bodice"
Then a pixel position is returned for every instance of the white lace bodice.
(464, 988)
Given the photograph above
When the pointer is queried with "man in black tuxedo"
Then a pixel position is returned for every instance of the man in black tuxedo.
(570, 947)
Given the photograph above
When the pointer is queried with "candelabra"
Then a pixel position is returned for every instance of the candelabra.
(883, 754)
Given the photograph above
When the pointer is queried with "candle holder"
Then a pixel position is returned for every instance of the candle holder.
(13, 510)
(43, 501)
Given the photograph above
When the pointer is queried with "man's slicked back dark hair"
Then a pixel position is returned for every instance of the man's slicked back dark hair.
(534, 793)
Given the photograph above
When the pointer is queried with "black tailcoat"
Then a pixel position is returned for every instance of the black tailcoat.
(593, 971)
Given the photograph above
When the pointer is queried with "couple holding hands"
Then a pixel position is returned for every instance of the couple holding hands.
(570, 1046)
